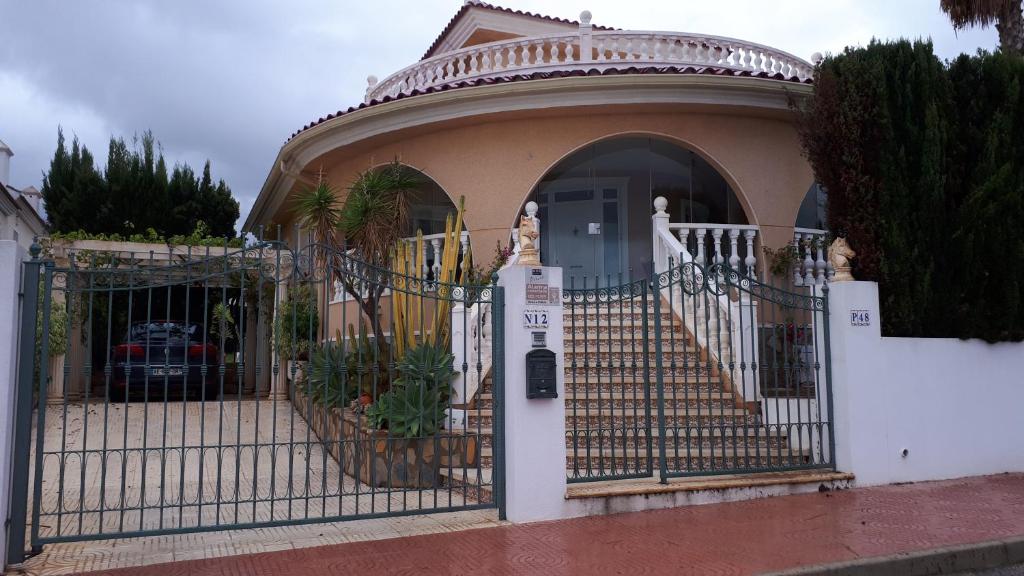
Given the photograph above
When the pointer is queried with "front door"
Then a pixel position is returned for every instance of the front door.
(586, 228)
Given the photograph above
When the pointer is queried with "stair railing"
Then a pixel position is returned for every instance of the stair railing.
(728, 338)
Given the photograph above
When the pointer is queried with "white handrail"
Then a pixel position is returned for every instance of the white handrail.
(586, 50)
(712, 322)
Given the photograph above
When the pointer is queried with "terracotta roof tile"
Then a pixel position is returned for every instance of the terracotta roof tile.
(475, 3)
(711, 70)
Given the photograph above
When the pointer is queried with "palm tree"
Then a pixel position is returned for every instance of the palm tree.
(358, 237)
(1007, 15)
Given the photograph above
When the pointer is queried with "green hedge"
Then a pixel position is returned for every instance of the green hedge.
(924, 165)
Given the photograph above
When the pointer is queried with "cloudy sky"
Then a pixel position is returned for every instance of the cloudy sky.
(230, 80)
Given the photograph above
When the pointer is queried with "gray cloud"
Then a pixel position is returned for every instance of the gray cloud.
(230, 80)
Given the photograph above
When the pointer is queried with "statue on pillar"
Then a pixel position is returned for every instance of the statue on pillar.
(839, 256)
(528, 253)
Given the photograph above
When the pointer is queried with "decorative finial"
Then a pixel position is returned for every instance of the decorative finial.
(660, 203)
(816, 58)
(531, 208)
(35, 249)
(585, 17)
(371, 80)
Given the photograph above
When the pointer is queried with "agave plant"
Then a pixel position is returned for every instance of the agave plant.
(427, 364)
(409, 411)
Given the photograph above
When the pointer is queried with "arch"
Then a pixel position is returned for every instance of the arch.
(596, 201)
(731, 180)
(430, 204)
(812, 211)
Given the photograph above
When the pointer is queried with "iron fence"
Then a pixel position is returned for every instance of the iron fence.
(227, 388)
(696, 371)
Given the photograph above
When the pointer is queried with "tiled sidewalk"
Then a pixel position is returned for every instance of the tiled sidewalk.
(736, 538)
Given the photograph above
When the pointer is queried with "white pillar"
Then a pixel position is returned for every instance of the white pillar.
(660, 224)
(11, 256)
(459, 345)
(798, 277)
(534, 429)
(859, 403)
(586, 37)
(734, 257)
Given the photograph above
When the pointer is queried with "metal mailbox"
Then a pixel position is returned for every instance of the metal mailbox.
(541, 374)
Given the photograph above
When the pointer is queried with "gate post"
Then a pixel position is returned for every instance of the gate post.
(22, 395)
(534, 430)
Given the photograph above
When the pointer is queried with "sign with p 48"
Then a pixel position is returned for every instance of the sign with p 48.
(860, 318)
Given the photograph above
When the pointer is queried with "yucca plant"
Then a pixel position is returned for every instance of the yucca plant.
(407, 302)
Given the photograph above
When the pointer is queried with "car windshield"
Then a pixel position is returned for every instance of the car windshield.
(164, 331)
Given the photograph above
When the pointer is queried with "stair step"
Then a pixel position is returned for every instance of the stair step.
(468, 484)
(752, 432)
(619, 346)
(588, 400)
(715, 452)
(692, 372)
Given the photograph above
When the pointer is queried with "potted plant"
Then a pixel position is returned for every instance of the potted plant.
(222, 332)
(295, 327)
(409, 418)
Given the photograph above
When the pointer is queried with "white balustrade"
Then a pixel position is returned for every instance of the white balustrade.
(584, 50)
(722, 325)
(812, 267)
(720, 241)
(433, 254)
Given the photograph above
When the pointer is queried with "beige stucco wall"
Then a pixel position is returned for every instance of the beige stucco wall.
(496, 161)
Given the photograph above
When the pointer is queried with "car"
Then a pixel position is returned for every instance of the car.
(164, 358)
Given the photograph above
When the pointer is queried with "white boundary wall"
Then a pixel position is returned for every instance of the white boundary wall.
(11, 256)
(955, 406)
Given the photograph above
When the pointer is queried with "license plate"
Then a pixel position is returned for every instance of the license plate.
(167, 372)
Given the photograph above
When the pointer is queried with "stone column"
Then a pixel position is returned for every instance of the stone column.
(278, 381)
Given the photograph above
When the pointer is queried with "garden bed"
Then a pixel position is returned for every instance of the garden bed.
(378, 460)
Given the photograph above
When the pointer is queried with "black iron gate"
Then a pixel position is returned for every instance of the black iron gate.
(215, 388)
(696, 371)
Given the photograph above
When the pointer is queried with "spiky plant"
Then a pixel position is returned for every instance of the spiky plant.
(317, 211)
(1007, 15)
(376, 213)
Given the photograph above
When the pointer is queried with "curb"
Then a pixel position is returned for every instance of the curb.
(946, 560)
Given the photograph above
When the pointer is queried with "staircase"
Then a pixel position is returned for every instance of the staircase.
(612, 412)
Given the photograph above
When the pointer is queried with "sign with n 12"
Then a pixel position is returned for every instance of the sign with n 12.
(860, 318)
(535, 318)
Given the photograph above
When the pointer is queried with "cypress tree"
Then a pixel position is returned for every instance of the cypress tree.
(924, 166)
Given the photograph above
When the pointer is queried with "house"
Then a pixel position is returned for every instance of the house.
(633, 152)
(591, 123)
(20, 210)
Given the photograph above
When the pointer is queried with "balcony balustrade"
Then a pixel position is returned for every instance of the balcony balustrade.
(585, 50)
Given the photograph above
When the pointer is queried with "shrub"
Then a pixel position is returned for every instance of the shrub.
(296, 323)
(921, 161)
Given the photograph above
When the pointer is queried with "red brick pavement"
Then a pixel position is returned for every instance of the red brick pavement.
(735, 538)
